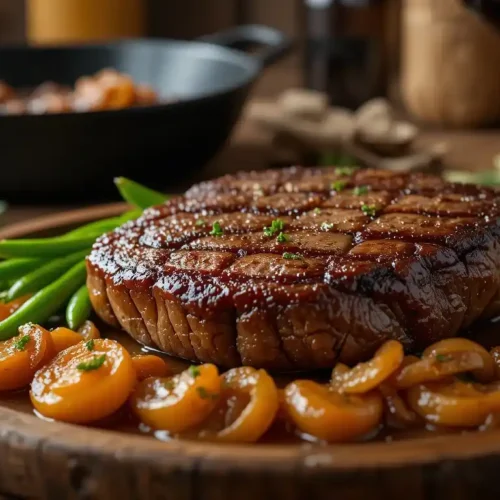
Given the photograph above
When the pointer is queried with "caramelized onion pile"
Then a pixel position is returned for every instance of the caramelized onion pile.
(80, 378)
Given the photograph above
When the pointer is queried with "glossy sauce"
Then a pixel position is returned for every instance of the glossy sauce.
(281, 432)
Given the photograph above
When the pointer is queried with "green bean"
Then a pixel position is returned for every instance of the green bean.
(138, 195)
(14, 268)
(46, 302)
(130, 215)
(104, 225)
(37, 279)
(79, 308)
(97, 227)
(44, 247)
(82, 236)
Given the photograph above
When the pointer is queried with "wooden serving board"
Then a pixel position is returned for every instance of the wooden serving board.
(51, 460)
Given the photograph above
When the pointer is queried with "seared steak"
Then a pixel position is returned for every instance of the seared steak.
(284, 269)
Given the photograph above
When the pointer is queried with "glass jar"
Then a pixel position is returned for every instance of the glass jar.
(74, 21)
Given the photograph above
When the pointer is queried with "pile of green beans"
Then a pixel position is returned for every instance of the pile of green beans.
(53, 269)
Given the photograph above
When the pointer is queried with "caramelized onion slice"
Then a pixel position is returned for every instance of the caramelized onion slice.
(83, 384)
(397, 412)
(365, 377)
(89, 331)
(149, 365)
(22, 355)
(455, 403)
(438, 367)
(247, 407)
(328, 415)
(483, 374)
(177, 403)
(338, 372)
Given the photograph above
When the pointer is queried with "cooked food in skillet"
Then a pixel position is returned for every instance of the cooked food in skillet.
(388, 266)
(107, 89)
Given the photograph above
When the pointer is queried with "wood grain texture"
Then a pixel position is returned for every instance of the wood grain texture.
(49, 460)
(54, 222)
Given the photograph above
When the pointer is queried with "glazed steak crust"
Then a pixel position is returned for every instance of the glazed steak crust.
(364, 256)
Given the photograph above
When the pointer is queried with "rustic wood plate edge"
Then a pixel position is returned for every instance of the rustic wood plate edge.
(65, 219)
(21, 433)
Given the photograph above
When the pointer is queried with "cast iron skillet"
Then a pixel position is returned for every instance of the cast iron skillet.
(62, 157)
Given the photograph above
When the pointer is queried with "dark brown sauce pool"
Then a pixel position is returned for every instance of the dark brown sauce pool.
(486, 333)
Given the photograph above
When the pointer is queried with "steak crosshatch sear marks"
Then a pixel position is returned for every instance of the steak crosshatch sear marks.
(297, 268)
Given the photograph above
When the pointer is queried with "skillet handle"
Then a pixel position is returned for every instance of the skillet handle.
(275, 43)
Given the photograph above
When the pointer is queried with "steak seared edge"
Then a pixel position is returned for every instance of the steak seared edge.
(357, 258)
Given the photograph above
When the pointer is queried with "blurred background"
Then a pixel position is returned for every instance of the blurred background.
(402, 84)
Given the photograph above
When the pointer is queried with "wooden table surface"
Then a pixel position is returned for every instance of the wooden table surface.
(250, 148)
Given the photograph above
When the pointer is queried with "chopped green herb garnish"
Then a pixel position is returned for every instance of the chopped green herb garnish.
(345, 170)
(338, 185)
(94, 364)
(20, 344)
(204, 394)
(277, 225)
(370, 210)
(442, 358)
(194, 371)
(282, 238)
(292, 256)
(90, 345)
(326, 226)
(216, 229)
(317, 211)
(169, 385)
(200, 222)
(359, 190)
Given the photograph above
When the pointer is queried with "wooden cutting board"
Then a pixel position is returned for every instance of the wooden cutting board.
(51, 460)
